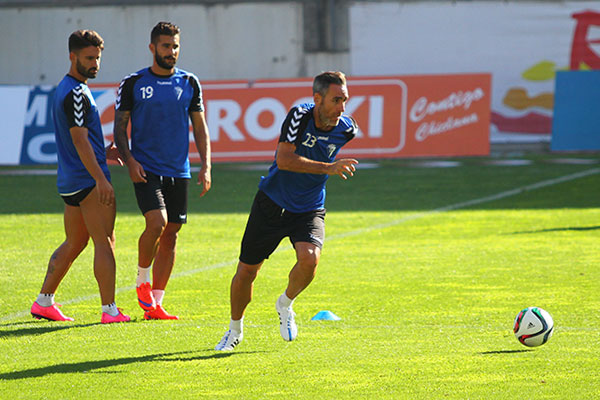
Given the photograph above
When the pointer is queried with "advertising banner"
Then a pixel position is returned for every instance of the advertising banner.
(13, 107)
(398, 116)
(576, 123)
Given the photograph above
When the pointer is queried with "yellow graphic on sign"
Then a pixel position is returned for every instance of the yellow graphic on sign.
(519, 99)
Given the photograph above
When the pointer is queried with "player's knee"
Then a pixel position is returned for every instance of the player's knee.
(77, 247)
(76, 244)
(168, 238)
(81, 245)
(155, 227)
(308, 259)
(170, 234)
(247, 272)
(103, 243)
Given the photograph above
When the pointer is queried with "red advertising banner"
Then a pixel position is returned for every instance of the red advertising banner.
(398, 116)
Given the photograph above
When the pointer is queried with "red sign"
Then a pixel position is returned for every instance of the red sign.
(398, 116)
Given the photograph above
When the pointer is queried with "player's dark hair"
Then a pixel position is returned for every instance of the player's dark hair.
(163, 28)
(324, 79)
(83, 38)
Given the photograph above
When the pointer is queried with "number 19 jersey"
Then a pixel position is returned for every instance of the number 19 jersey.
(160, 129)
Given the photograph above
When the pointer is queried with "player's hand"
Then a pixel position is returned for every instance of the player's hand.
(204, 179)
(343, 167)
(136, 171)
(113, 154)
(106, 193)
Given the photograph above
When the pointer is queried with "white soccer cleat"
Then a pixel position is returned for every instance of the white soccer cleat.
(287, 323)
(230, 340)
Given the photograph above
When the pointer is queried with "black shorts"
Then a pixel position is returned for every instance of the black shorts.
(76, 198)
(163, 192)
(269, 223)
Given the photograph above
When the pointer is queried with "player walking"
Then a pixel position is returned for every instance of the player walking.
(291, 201)
(160, 101)
(83, 182)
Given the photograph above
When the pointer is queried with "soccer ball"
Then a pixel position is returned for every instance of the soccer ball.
(533, 326)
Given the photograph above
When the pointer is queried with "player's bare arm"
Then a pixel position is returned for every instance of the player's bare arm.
(288, 160)
(202, 139)
(136, 171)
(84, 149)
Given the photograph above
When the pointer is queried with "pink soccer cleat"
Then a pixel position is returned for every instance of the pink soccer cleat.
(145, 297)
(51, 313)
(109, 319)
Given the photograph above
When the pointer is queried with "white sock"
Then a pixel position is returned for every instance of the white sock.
(285, 301)
(237, 326)
(143, 276)
(45, 299)
(158, 296)
(111, 309)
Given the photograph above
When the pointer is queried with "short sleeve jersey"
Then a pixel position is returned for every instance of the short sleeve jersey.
(303, 192)
(160, 126)
(74, 106)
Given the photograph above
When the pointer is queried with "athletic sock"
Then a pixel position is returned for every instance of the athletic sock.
(143, 276)
(237, 326)
(45, 299)
(158, 296)
(285, 301)
(111, 309)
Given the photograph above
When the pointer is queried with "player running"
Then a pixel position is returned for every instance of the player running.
(291, 201)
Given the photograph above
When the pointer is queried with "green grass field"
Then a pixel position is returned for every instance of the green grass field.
(427, 268)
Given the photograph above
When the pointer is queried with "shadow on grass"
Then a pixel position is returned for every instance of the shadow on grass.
(92, 366)
(568, 228)
(505, 351)
(40, 330)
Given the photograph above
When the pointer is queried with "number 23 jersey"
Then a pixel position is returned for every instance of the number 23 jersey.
(302, 192)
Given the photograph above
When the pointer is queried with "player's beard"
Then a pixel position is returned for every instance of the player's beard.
(88, 73)
(327, 121)
(163, 63)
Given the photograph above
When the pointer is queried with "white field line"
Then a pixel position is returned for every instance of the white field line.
(398, 221)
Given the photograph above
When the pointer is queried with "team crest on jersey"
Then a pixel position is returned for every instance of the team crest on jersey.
(178, 92)
(331, 149)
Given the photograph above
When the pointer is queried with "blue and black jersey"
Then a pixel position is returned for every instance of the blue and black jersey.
(302, 192)
(74, 106)
(160, 127)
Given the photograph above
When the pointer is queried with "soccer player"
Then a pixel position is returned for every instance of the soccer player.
(83, 183)
(291, 201)
(160, 101)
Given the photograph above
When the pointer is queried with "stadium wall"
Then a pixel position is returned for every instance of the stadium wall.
(245, 41)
